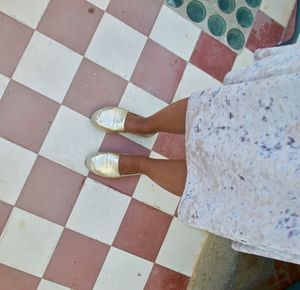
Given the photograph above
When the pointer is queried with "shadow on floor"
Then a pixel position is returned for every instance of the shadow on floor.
(221, 268)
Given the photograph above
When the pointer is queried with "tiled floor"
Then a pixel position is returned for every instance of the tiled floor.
(62, 227)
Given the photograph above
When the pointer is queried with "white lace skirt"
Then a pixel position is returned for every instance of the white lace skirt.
(243, 157)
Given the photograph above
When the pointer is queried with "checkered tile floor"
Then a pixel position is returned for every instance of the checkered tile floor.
(62, 227)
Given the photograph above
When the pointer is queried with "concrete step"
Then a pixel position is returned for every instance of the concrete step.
(221, 268)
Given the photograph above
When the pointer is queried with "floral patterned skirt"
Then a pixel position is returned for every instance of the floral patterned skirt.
(243, 157)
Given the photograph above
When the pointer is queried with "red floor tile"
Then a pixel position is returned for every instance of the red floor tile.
(14, 38)
(50, 191)
(265, 32)
(12, 279)
(140, 15)
(77, 261)
(119, 144)
(72, 23)
(5, 211)
(94, 87)
(26, 116)
(289, 31)
(142, 230)
(213, 57)
(162, 278)
(158, 71)
(171, 146)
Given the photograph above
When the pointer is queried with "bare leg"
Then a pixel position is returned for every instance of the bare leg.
(171, 119)
(160, 171)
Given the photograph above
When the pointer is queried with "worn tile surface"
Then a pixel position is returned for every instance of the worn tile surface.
(29, 12)
(162, 278)
(13, 177)
(28, 241)
(50, 191)
(70, 139)
(142, 231)
(171, 67)
(140, 15)
(175, 33)
(13, 279)
(77, 261)
(213, 57)
(116, 46)
(98, 212)
(14, 37)
(29, 114)
(47, 67)
(93, 87)
(117, 275)
(74, 25)
(180, 247)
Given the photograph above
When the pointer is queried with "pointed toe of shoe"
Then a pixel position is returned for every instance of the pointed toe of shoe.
(110, 119)
(103, 164)
(94, 117)
(89, 164)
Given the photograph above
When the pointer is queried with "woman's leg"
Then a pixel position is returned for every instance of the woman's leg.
(171, 119)
(169, 174)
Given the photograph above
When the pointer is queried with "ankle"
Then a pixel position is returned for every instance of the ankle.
(143, 125)
(148, 126)
(142, 164)
(134, 124)
(131, 164)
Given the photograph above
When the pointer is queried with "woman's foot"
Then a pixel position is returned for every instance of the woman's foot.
(162, 172)
(114, 119)
(112, 165)
(170, 119)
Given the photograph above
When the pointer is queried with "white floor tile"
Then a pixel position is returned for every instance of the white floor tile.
(146, 141)
(103, 4)
(71, 138)
(181, 247)
(175, 33)
(98, 212)
(156, 155)
(28, 241)
(28, 12)
(116, 46)
(3, 84)
(16, 163)
(122, 270)
(47, 67)
(141, 103)
(193, 80)
(47, 285)
(280, 11)
(152, 194)
(246, 58)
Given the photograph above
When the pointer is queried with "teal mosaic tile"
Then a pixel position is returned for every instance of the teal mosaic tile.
(229, 21)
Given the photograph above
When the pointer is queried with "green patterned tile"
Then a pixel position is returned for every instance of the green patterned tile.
(229, 21)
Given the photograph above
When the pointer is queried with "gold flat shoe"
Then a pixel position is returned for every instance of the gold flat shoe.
(111, 119)
(104, 164)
